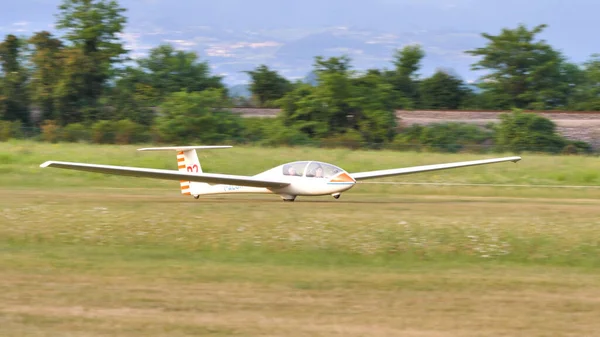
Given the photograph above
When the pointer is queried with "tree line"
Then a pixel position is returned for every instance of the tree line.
(84, 86)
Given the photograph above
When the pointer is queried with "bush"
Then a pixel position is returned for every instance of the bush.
(278, 134)
(583, 147)
(75, 132)
(103, 132)
(5, 131)
(577, 147)
(127, 132)
(9, 130)
(454, 137)
(350, 139)
(255, 129)
(520, 131)
(50, 131)
(444, 137)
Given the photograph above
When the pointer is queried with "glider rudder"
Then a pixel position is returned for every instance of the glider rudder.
(187, 161)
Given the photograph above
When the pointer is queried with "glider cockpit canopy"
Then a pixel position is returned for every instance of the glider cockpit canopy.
(311, 169)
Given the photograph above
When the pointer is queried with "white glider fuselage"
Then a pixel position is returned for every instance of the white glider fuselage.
(305, 183)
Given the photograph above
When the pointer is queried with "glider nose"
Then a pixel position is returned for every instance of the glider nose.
(343, 178)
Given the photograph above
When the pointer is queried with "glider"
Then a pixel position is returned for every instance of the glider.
(299, 178)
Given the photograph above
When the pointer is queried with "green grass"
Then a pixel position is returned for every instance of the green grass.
(362, 229)
(19, 167)
(85, 254)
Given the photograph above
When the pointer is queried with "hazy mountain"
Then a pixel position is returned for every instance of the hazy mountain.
(238, 35)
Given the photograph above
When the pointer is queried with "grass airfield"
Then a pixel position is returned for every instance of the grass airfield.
(91, 255)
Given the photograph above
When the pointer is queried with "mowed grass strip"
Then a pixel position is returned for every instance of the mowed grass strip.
(183, 297)
(361, 229)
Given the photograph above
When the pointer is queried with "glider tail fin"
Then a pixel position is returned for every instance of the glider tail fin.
(187, 161)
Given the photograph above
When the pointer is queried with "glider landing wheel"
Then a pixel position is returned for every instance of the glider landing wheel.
(196, 196)
(336, 195)
(287, 197)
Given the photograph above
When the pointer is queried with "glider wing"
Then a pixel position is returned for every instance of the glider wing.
(426, 168)
(210, 178)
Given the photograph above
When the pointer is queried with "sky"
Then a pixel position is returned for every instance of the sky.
(238, 35)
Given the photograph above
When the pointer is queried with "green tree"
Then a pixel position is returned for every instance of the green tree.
(373, 103)
(14, 102)
(133, 97)
(408, 60)
(404, 78)
(485, 100)
(323, 109)
(586, 95)
(92, 27)
(442, 91)
(167, 70)
(304, 110)
(523, 72)
(198, 117)
(69, 102)
(164, 71)
(569, 78)
(342, 106)
(267, 85)
(47, 63)
(334, 91)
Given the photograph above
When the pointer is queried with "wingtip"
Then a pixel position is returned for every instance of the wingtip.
(46, 164)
